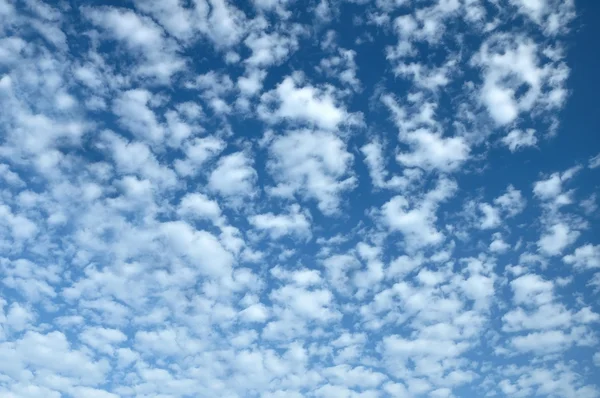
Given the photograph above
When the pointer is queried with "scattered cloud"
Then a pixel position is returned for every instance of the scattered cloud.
(216, 199)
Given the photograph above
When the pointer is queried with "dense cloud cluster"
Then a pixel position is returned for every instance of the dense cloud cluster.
(275, 198)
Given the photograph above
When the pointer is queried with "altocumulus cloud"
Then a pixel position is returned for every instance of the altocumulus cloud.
(270, 198)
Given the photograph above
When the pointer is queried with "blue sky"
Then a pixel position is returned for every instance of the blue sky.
(274, 198)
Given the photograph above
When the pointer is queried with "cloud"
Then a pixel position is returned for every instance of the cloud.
(512, 202)
(268, 49)
(132, 109)
(375, 159)
(200, 248)
(491, 217)
(313, 164)
(308, 304)
(433, 152)
(557, 238)
(142, 36)
(199, 206)
(295, 223)
(594, 162)
(233, 177)
(417, 222)
(586, 256)
(203, 198)
(307, 104)
(517, 139)
(508, 65)
(498, 245)
(198, 151)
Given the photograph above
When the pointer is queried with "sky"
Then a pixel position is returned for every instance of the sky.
(284, 198)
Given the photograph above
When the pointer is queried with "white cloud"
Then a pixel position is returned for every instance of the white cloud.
(255, 313)
(140, 34)
(182, 210)
(199, 206)
(234, 176)
(19, 227)
(542, 342)
(198, 151)
(551, 188)
(102, 339)
(304, 104)
(417, 222)
(27, 352)
(512, 202)
(510, 63)
(252, 83)
(295, 223)
(557, 237)
(532, 288)
(586, 256)
(268, 49)
(375, 159)
(552, 16)
(200, 248)
(517, 139)
(594, 162)
(135, 115)
(491, 216)
(314, 165)
(498, 245)
(19, 318)
(433, 152)
(137, 158)
(310, 304)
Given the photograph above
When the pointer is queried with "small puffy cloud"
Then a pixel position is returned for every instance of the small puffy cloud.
(18, 318)
(511, 63)
(102, 339)
(303, 104)
(532, 289)
(234, 176)
(199, 206)
(200, 248)
(141, 35)
(594, 162)
(556, 238)
(417, 222)
(375, 160)
(295, 223)
(134, 114)
(309, 304)
(552, 16)
(491, 216)
(252, 82)
(431, 151)
(518, 139)
(498, 245)
(301, 277)
(500, 103)
(551, 189)
(198, 151)
(542, 342)
(512, 202)
(312, 164)
(136, 157)
(18, 226)
(255, 313)
(268, 49)
(354, 377)
(584, 257)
